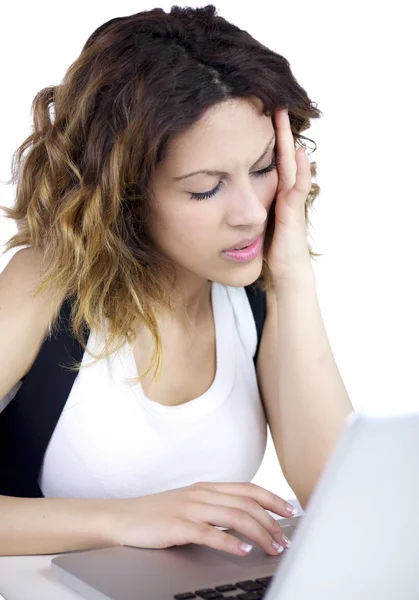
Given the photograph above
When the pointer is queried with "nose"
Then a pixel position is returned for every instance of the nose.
(247, 209)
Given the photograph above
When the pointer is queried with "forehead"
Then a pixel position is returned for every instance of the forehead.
(233, 127)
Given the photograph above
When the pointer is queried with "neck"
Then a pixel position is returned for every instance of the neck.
(191, 303)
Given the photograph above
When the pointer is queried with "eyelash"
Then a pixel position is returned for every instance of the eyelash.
(206, 195)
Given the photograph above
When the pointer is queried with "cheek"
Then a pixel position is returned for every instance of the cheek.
(199, 229)
(188, 228)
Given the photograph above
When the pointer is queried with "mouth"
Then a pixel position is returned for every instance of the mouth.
(244, 243)
(247, 253)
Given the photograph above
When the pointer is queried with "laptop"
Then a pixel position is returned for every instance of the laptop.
(358, 538)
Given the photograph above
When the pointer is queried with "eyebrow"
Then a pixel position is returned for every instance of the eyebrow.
(221, 173)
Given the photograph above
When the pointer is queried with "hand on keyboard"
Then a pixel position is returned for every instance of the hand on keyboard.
(192, 514)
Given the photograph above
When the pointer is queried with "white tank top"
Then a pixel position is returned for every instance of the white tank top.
(111, 441)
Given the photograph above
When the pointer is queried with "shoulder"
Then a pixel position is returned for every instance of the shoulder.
(23, 268)
(23, 320)
(19, 277)
(18, 280)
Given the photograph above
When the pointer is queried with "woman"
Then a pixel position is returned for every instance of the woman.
(171, 147)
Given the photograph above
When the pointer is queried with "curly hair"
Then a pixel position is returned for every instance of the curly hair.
(83, 188)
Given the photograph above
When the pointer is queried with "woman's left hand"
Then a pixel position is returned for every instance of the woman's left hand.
(287, 253)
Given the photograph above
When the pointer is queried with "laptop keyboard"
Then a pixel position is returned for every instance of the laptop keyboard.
(251, 589)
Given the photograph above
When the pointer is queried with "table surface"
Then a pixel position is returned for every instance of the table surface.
(30, 578)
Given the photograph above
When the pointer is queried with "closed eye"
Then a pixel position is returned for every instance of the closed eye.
(206, 195)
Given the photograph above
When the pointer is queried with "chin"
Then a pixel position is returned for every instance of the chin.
(241, 274)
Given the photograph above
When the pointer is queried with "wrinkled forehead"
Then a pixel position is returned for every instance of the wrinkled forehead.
(234, 128)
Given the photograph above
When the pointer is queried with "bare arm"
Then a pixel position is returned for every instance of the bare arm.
(173, 517)
(35, 526)
(52, 525)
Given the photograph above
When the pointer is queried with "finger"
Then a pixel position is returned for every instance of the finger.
(303, 176)
(201, 533)
(285, 150)
(302, 186)
(264, 497)
(244, 503)
(237, 519)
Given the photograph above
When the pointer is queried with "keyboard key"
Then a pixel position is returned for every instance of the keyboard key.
(253, 590)
(208, 594)
(264, 580)
(251, 595)
(226, 588)
(249, 585)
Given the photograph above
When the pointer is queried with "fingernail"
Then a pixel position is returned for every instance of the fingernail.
(277, 547)
(246, 547)
(291, 509)
(285, 541)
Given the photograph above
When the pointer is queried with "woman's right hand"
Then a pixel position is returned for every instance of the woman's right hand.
(192, 514)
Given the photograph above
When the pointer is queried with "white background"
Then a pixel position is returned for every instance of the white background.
(358, 61)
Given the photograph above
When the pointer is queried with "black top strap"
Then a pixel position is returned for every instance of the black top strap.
(28, 421)
(257, 300)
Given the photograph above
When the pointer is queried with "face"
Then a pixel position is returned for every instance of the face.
(193, 232)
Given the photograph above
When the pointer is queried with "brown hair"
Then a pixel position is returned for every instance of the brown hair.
(83, 188)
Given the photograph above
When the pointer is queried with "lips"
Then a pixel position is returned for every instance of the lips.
(244, 243)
